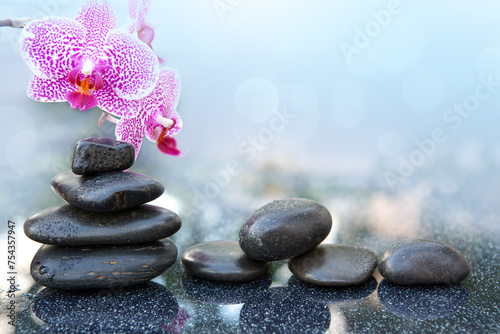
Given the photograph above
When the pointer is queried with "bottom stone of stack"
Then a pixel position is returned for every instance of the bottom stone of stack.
(101, 267)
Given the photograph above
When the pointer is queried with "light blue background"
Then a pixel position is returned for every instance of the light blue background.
(355, 118)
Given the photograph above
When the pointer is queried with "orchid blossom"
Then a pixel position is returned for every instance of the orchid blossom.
(158, 119)
(88, 61)
(138, 9)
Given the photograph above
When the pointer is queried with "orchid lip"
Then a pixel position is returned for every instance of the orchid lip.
(165, 122)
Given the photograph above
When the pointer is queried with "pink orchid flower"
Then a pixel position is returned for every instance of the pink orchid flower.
(137, 10)
(88, 62)
(158, 119)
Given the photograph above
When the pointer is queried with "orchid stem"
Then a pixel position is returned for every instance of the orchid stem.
(15, 23)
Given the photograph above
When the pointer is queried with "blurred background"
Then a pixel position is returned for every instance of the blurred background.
(386, 112)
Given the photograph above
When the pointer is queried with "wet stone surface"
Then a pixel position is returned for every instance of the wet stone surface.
(222, 261)
(106, 192)
(279, 311)
(70, 226)
(331, 295)
(97, 267)
(100, 155)
(224, 293)
(420, 262)
(284, 229)
(334, 265)
(422, 302)
(133, 309)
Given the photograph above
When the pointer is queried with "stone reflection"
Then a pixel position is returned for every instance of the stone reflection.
(223, 293)
(331, 295)
(145, 308)
(281, 311)
(422, 302)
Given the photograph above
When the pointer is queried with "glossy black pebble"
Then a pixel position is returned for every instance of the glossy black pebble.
(222, 261)
(420, 262)
(98, 267)
(334, 265)
(101, 155)
(284, 229)
(106, 192)
(69, 226)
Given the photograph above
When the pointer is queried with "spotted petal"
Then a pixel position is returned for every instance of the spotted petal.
(49, 90)
(133, 66)
(48, 46)
(137, 10)
(164, 98)
(131, 130)
(108, 101)
(98, 18)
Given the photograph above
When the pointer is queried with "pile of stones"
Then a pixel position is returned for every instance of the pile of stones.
(106, 236)
(294, 229)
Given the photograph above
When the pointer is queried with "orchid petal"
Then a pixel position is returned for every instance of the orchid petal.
(98, 19)
(176, 127)
(49, 90)
(49, 46)
(108, 101)
(82, 101)
(147, 35)
(133, 66)
(168, 145)
(131, 130)
(137, 10)
(165, 97)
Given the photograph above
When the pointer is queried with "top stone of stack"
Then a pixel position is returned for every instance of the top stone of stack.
(101, 155)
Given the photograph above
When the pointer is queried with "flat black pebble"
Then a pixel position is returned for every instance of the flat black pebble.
(69, 226)
(128, 309)
(222, 261)
(420, 262)
(422, 302)
(100, 267)
(101, 155)
(106, 192)
(284, 229)
(334, 265)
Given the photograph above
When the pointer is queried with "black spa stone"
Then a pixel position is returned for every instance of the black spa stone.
(334, 265)
(69, 226)
(420, 262)
(101, 155)
(108, 191)
(101, 267)
(222, 261)
(284, 229)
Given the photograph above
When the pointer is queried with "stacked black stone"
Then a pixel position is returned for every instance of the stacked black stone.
(290, 229)
(106, 236)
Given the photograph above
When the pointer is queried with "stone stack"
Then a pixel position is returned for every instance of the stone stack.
(290, 229)
(106, 236)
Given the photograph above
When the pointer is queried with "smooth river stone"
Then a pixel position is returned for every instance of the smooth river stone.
(222, 261)
(101, 267)
(69, 226)
(101, 155)
(334, 265)
(420, 262)
(106, 192)
(284, 229)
